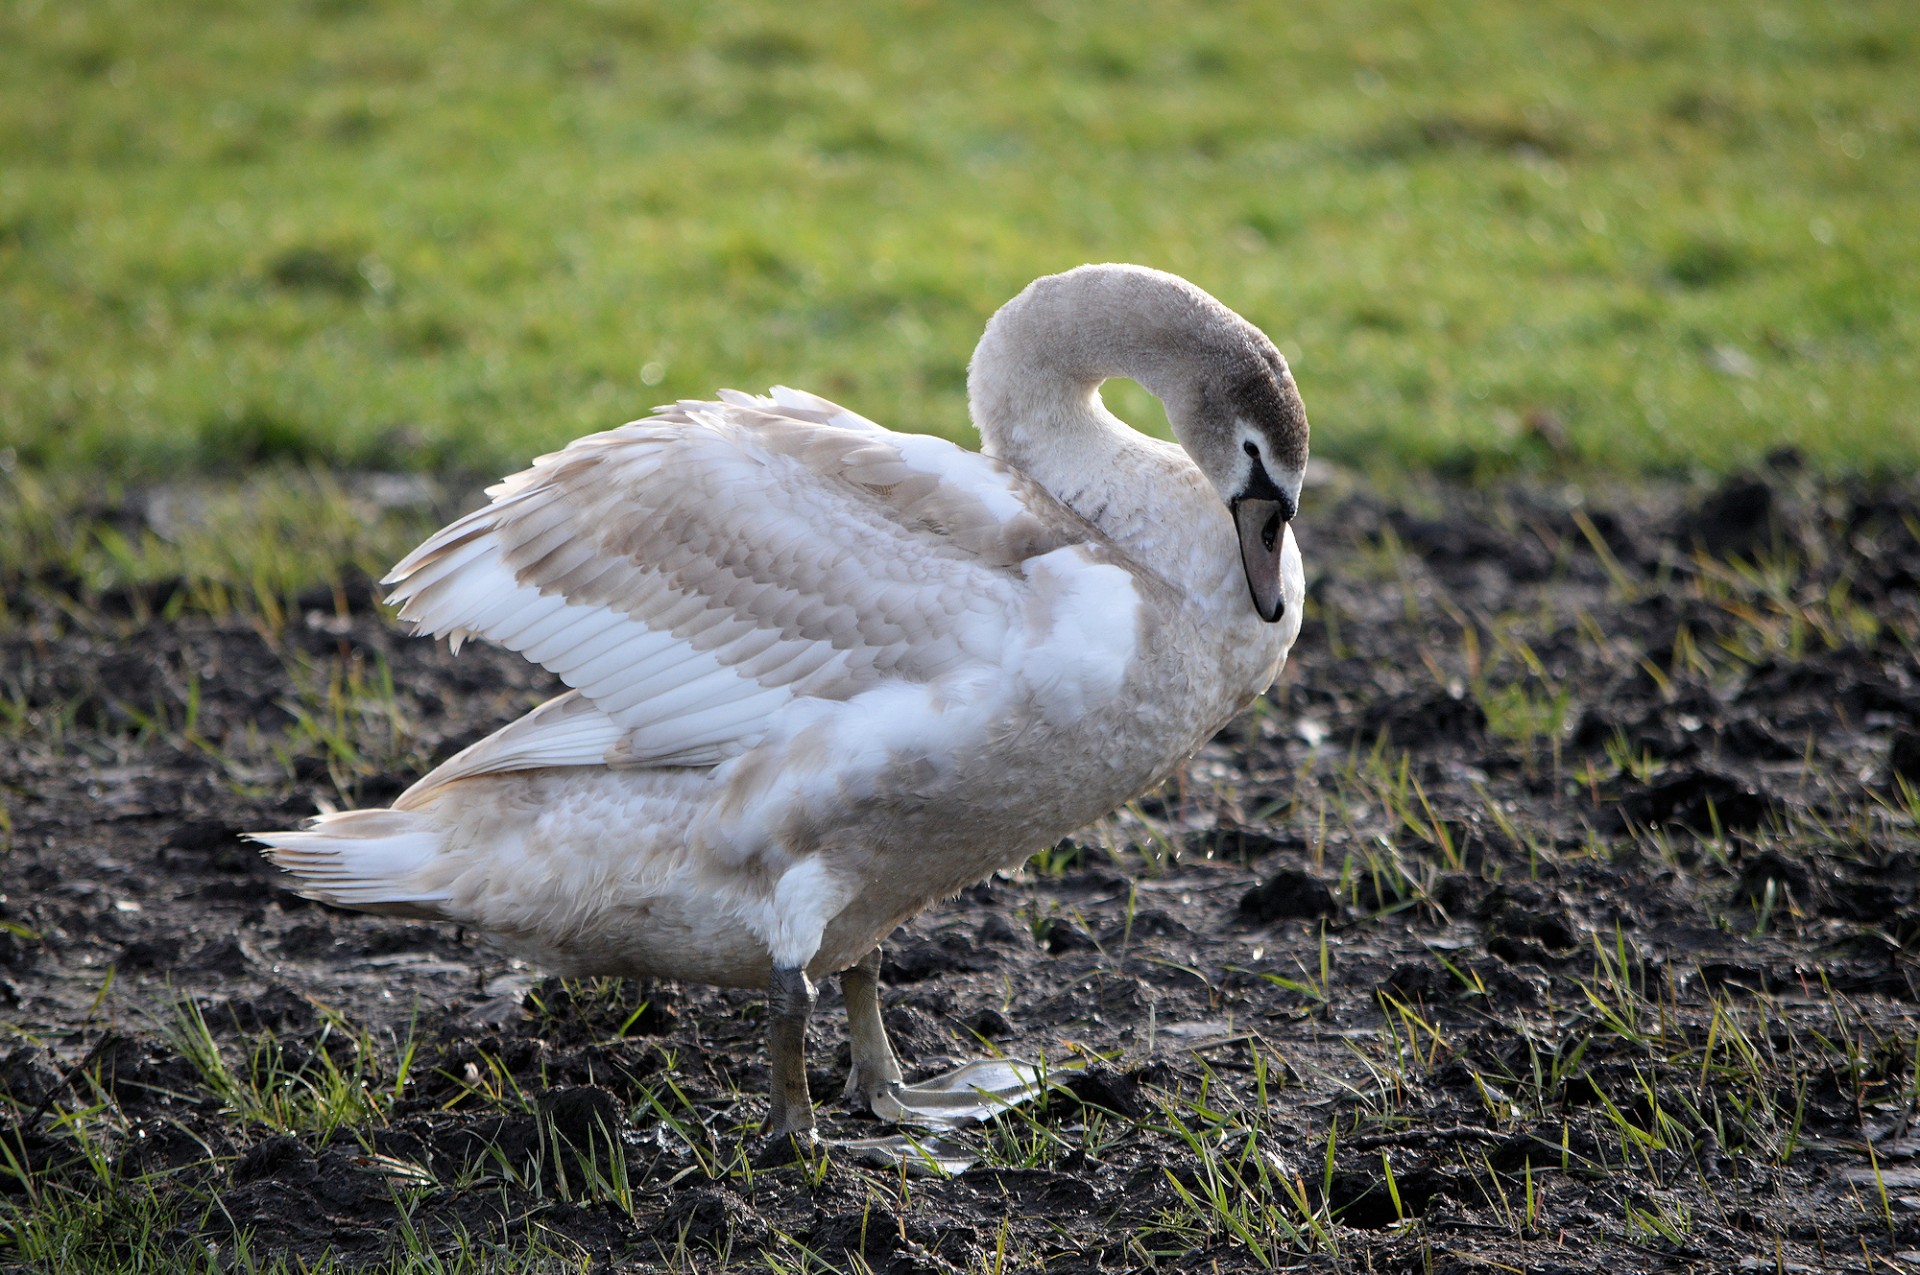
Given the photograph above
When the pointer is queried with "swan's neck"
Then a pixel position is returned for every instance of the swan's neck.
(1088, 458)
(1033, 383)
(1033, 388)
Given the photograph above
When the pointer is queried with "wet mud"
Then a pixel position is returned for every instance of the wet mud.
(1556, 911)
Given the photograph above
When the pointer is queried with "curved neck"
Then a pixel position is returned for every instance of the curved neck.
(1033, 383)
(1045, 354)
(1033, 388)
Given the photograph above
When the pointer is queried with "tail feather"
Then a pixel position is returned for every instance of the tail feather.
(370, 860)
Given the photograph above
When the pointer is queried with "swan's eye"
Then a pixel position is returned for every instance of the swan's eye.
(1252, 449)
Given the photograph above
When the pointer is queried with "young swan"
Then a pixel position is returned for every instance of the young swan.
(825, 674)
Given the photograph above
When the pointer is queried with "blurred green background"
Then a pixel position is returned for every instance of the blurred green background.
(1568, 237)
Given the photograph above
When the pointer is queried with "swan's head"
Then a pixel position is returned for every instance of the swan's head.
(1242, 421)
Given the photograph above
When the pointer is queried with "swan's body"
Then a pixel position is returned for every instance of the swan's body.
(826, 674)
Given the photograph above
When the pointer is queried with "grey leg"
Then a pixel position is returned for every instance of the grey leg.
(790, 1112)
(969, 1094)
(874, 1078)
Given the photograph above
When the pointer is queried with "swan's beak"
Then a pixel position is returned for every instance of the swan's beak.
(1262, 525)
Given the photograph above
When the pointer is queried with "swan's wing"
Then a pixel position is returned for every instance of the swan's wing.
(565, 731)
(800, 405)
(693, 574)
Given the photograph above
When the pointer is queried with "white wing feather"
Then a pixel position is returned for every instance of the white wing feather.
(692, 575)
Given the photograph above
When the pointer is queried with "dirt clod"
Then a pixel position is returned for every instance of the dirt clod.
(1289, 892)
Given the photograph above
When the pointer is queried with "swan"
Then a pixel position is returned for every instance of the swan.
(824, 674)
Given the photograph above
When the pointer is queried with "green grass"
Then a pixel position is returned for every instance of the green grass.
(1638, 236)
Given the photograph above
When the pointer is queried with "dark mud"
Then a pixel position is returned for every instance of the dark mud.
(1557, 913)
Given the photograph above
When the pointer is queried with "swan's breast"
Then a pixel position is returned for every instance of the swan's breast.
(1083, 632)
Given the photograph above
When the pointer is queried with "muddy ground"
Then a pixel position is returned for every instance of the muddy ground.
(1557, 913)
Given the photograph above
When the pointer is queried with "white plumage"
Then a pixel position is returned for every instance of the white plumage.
(824, 674)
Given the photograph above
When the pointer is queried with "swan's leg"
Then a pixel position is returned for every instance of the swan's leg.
(967, 1094)
(874, 1079)
(790, 1112)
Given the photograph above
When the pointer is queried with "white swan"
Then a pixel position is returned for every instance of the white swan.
(825, 674)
